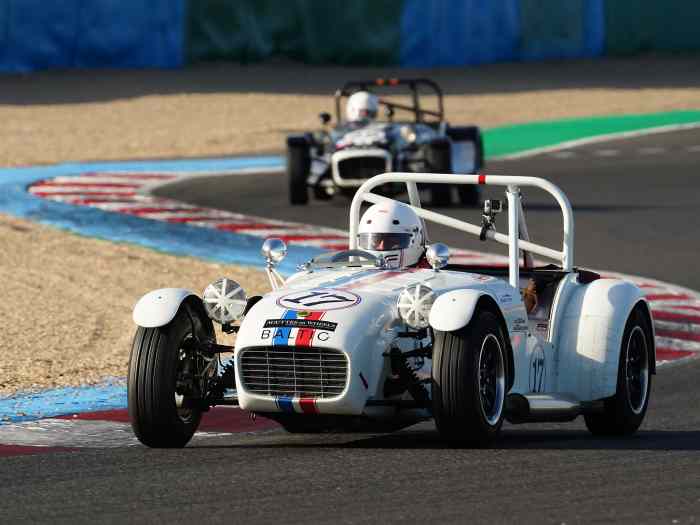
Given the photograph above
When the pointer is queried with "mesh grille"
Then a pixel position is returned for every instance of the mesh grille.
(361, 167)
(294, 371)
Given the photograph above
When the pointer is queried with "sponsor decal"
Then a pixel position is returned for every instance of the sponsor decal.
(319, 300)
(392, 260)
(292, 331)
(314, 324)
(507, 298)
(520, 325)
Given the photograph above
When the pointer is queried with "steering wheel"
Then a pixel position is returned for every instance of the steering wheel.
(341, 256)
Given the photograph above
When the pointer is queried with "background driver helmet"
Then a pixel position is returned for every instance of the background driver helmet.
(362, 107)
(393, 231)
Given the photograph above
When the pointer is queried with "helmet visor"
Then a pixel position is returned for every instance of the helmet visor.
(380, 242)
(368, 114)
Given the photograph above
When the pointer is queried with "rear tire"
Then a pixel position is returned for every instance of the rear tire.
(468, 193)
(438, 160)
(321, 194)
(624, 412)
(157, 362)
(298, 167)
(469, 381)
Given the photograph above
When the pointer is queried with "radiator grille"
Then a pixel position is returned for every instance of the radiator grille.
(361, 167)
(294, 371)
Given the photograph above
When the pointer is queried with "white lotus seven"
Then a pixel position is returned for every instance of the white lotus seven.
(349, 343)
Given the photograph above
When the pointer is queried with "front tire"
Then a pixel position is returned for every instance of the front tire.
(469, 194)
(469, 381)
(298, 167)
(624, 412)
(439, 160)
(162, 365)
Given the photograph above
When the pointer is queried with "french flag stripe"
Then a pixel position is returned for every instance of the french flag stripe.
(285, 403)
(305, 336)
(374, 279)
(308, 405)
(281, 336)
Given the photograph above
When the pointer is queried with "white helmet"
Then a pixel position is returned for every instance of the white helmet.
(362, 107)
(393, 231)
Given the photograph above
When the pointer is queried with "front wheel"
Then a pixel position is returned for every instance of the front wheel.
(168, 379)
(469, 380)
(438, 160)
(468, 195)
(624, 412)
(298, 167)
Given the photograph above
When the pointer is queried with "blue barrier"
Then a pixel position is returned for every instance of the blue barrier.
(42, 34)
(457, 32)
(571, 29)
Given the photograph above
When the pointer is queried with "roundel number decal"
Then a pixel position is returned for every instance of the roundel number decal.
(322, 299)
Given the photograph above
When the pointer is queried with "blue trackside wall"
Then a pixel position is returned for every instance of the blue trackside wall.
(458, 32)
(44, 34)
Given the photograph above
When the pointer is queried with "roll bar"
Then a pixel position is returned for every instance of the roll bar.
(512, 239)
(413, 84)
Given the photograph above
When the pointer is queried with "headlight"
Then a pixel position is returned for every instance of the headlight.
(414, 305)
(408, 134)
(224, 301)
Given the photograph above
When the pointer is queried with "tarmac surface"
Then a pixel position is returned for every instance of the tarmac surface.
(635, 212)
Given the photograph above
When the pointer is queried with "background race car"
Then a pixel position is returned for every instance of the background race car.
(340, 158)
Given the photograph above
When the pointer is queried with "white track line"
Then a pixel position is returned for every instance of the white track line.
(596, 139)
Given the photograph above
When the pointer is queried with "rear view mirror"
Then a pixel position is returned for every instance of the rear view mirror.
(324, 117)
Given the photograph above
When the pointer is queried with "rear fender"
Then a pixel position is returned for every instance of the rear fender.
(158, 308)
(591, 334)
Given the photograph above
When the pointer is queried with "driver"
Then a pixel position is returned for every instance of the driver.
(393, 231)
(362, 107)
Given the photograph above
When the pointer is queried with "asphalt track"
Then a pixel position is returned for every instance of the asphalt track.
(636, 212)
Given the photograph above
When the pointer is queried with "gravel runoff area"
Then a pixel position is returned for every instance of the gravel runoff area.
(67, 299)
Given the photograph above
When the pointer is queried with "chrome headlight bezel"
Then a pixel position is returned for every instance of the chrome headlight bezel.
(408, 134)
(224, 301)
(414, 303)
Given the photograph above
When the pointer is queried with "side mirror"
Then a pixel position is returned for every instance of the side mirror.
(324, 117)
(438, 255)
(274, 250)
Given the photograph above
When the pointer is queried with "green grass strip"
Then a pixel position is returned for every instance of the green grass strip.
(517, 138)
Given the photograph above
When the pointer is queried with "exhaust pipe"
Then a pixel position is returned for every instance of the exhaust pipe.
(541, 408)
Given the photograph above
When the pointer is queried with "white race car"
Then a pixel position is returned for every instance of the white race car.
(354, 342)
